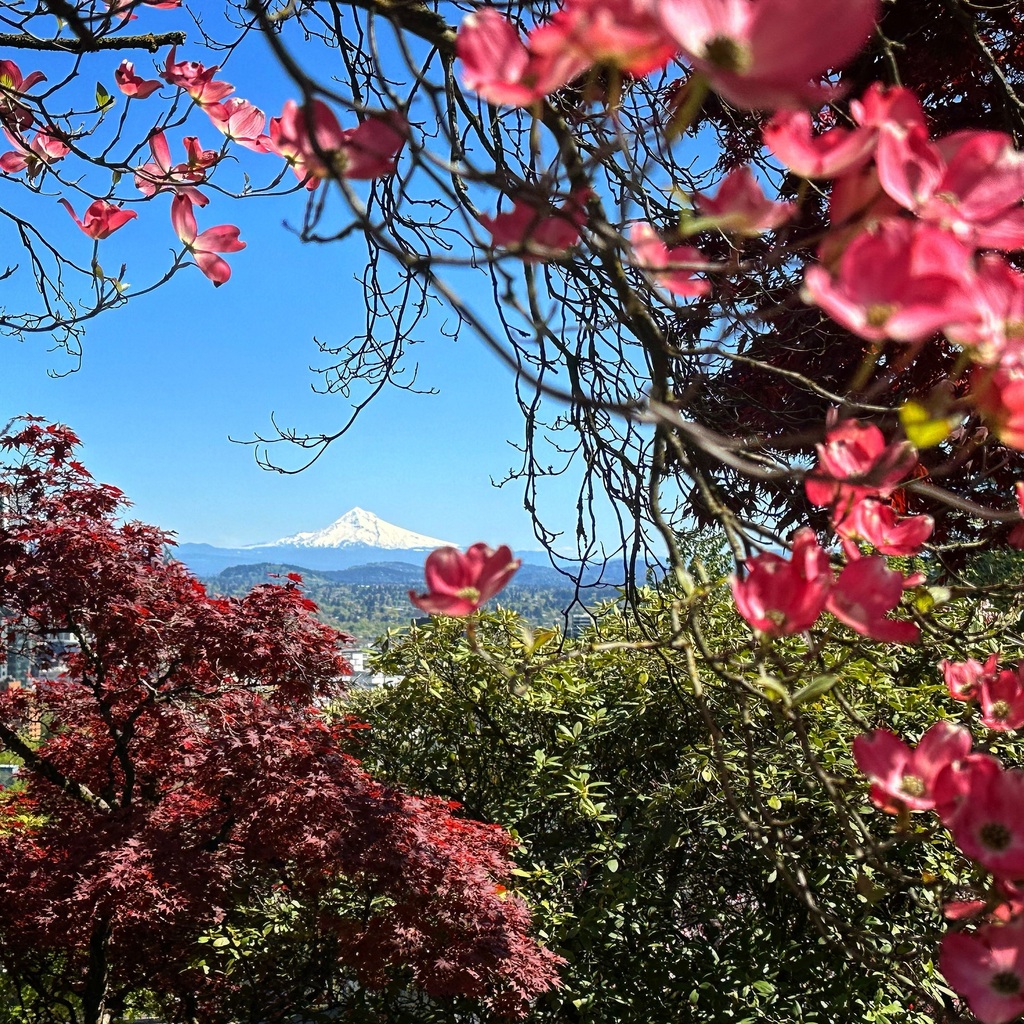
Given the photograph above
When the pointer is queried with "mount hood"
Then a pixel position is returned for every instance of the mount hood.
(358, 527)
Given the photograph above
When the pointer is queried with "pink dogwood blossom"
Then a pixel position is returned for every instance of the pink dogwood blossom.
(865, 593)
(740, 207)
(241, 122)
(999, 396)
(891, 107)
(878, 524)
(994, 333)
(778, 596)
(205, 246)
(13, 114)
(964, 678)
(789, 135)
(196, 158)
(903, 281)
(371, 149)
(856, 205)
(101, 219)
(672, 267)
(855, 462)
(12, 80)
(46, 147)
(160, 175)
(762, 54)
(122, 9)
(195, 79)
(316, 146)
(1001, 695)
(132, 84)
(987, 969)
(499, 66)
(838, 151)
(625, 34)
(536, 231)
(980, 804)
(305, 136)
(904, 778)
(458, 584)
(956, 786)
(970, 183)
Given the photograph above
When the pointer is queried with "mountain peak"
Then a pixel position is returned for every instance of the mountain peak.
(358, 526)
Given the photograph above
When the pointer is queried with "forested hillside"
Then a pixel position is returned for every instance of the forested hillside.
(368, 600)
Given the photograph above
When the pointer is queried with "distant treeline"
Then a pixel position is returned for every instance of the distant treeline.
(369, 609)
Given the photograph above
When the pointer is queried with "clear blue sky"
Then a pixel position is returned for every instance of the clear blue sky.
(168, 379)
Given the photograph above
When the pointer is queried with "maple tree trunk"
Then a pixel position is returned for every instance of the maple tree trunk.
(94, 998)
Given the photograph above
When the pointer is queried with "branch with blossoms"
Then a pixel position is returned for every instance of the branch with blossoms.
(98, 164)
(807, 339)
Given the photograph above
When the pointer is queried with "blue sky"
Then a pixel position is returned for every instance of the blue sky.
(166, 380)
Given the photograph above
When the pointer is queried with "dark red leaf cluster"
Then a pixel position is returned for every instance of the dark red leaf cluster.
(188, 766)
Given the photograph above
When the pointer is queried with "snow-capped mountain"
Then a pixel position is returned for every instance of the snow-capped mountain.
(357, 526)
(357, 538)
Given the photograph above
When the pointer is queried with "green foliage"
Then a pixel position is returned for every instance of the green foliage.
(368, 610)
(695, 839)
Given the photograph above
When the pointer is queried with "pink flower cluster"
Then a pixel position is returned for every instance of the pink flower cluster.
(755, 53)
(780, 596)
(856, 475)
(535, 230)
(46, 145)
(740, 208)
(745, 49)
(914, 222)
(978, 801)
(14, 115)
(316, 146)
(672, 267)
(999, 692)
(857, 472)
(309, 138)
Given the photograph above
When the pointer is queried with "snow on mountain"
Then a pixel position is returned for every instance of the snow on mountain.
(357, 526)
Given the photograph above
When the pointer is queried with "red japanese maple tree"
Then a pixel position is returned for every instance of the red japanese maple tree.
(187, 766)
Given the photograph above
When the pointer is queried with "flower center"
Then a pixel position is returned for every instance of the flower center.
(1005, 983)
(995, 835)
(339, 161)
(878, 315)
(726, 54)
(1000, 710)
(469, 594)
(912, 785)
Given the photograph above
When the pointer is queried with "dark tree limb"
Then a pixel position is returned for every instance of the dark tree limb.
(12, 741)
(91, 44)
(416, 18)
